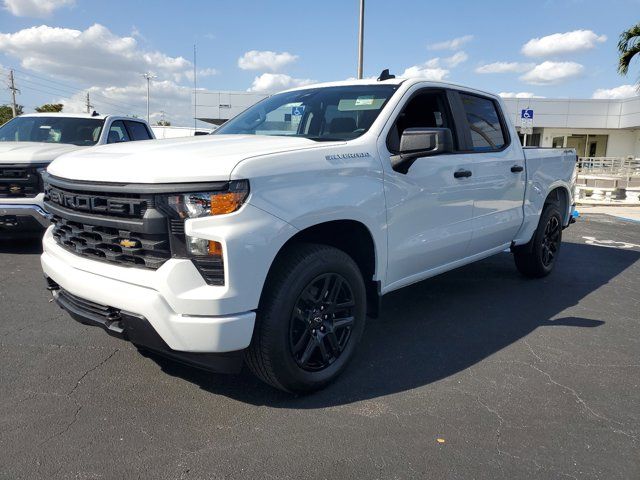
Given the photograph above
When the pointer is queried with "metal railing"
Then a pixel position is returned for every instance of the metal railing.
(621, 167)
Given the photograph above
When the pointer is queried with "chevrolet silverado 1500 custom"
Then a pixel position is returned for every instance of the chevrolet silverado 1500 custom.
(271, 240)
(28, 143)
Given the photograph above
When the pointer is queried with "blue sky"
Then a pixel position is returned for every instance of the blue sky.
(309, 41)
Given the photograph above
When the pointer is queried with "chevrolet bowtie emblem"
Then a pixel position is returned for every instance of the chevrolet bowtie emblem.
(15, 189)
(125, 242)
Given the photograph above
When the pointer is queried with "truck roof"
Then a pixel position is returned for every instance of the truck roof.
(78, 115)
(392, 81)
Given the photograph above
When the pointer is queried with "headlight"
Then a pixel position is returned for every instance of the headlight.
(207, 255)
(204, 204)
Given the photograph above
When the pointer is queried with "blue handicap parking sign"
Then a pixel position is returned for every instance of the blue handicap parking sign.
(527, 114)
(297, 111)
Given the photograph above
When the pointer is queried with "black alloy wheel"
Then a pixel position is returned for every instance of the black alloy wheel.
(321, 322)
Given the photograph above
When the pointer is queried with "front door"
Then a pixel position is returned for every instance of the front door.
(429, 210)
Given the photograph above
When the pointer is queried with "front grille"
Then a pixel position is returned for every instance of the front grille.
(111, 244)
(119, 205)
(20, 181)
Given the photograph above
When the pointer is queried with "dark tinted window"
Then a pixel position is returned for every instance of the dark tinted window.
(329, 113)
(138, 131)
(75, 131)
(117, 133)
(486, 129)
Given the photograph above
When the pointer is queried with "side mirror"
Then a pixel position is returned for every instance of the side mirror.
(421, 142)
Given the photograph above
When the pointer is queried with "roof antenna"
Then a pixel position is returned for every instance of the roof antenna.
(385, 75)
(95, 114)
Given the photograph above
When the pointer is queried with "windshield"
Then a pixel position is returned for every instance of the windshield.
(75, 131)
(321, 114)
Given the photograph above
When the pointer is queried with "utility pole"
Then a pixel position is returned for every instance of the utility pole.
(361, 39)
(195, 89)
(149, 76)
(162, 117)
(89, 106)
(12, 87)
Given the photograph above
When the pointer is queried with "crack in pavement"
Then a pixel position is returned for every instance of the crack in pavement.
(78, 406)
(584, 405)
(92, 369)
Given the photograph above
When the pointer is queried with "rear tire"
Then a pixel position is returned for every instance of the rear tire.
(537, 258)
(310, 319)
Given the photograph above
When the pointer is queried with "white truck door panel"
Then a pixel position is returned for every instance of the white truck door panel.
(429, 216)
(498, 181)
(498, 194)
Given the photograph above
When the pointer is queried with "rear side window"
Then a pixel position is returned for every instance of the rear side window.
(484, 122)
(118, 133)
(138, 131)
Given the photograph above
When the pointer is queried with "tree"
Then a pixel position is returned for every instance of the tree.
(628, 47)
(6, 113)
(163, 123)
(50, 107)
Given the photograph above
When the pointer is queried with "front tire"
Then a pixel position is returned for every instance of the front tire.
(310, 319)
(537, 258)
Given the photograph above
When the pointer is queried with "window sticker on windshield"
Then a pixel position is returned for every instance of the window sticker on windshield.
(364, 100)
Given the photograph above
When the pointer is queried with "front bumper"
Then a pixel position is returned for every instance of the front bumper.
(23, 218)
(174, 300)
(138, 330)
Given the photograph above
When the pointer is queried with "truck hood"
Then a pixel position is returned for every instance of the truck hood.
(188, 159)
(33, 152)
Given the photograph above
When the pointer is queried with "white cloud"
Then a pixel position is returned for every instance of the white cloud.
(562, 43)
(174, 99)
(453, 44)
(436, 69)
(424, 71)
(518, 95)
(265, 60)
(274, 82)
(205, 72)
(456, 59)
(505, 67)
(551, 73)
(623, 91)
(35, 8)
(108, 66)
(93, 56)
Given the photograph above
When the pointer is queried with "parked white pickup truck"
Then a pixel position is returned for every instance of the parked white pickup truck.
(28, 143)
(271, 240)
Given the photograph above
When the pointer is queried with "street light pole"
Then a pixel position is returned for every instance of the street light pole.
(361, 39)
(149, 76)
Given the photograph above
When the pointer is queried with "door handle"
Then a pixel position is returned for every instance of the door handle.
(462, 173)
(517, 168)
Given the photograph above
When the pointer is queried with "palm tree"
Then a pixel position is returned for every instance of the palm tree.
(628, 47)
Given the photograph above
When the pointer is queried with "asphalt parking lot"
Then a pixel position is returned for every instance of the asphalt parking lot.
(478, 373)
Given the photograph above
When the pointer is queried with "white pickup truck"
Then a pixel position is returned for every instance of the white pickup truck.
(30, 142)
(271, 240)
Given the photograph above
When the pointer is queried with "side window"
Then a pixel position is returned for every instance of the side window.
(427, 109)
(118, 133)
(138, 131)
(484, 122)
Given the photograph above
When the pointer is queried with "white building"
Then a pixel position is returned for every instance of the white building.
(595, 128)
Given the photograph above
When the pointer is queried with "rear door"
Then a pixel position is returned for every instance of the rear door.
(498, 182)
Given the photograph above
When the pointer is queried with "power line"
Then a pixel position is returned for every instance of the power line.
(62, 91)
(69, 90)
